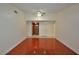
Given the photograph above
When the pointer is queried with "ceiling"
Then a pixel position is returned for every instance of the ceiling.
(49, 8)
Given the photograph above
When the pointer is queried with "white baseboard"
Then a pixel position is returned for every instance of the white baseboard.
(36, 36)
(59, 39)
(15, 45)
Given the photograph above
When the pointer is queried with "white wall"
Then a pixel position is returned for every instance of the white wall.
(67, 27)
(46, 29)
(12, 27)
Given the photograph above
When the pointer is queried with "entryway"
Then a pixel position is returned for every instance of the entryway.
(40, 29)
(35, 28)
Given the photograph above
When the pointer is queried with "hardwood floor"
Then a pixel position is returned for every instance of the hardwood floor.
(41, 46)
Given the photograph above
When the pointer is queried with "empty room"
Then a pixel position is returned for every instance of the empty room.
(39, 28)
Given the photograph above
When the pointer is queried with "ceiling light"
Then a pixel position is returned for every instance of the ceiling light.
(38, 13)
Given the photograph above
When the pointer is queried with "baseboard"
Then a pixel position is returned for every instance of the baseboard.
(15, 45)
(35, 36)
(66, 45)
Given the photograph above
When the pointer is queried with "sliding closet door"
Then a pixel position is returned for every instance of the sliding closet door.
(46, 29)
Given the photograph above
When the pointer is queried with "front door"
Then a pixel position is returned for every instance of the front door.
(35, 28)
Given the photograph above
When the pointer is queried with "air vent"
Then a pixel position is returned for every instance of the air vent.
(15, 11)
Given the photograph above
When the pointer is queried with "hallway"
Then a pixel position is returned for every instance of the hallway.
(41, 46)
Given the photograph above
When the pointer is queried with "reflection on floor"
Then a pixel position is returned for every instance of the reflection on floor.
(41, 46)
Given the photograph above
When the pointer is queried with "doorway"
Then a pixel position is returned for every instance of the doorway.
(35, 28)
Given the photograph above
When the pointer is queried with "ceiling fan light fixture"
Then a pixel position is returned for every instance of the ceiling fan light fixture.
(39, 13)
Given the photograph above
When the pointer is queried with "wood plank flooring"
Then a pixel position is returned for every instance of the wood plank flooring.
(41, 46)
